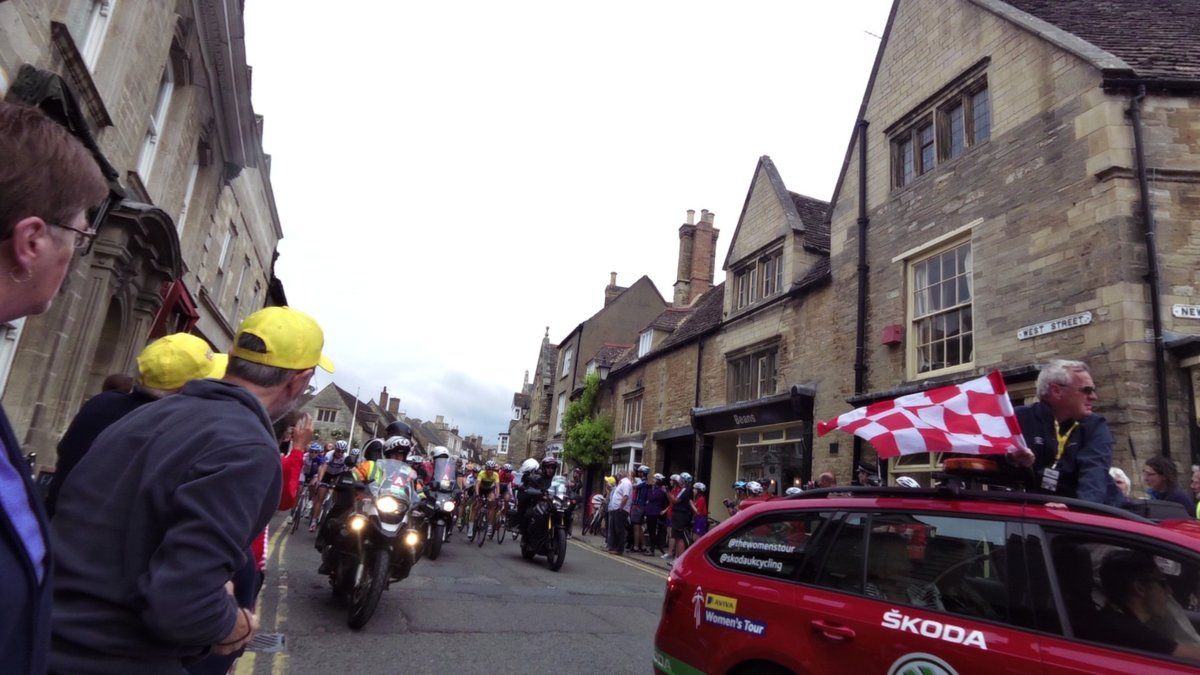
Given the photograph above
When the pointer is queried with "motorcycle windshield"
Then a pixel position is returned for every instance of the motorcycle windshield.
(392, 477)
(444, 474)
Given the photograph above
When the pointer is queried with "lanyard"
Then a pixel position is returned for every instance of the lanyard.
(1062, 438)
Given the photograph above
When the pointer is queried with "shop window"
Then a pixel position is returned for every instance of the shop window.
(941, 321)
(623, 460)
(773, 546)
(774, 458)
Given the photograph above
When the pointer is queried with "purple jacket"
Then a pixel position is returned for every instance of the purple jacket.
(656, 502)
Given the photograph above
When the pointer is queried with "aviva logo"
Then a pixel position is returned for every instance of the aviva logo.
(720, 603)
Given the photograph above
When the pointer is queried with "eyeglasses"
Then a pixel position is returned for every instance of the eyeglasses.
(83, 238)
(1086, 391)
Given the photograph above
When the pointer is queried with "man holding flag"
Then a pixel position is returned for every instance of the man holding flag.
(977, 418)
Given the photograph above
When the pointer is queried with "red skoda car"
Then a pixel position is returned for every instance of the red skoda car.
(934, 582)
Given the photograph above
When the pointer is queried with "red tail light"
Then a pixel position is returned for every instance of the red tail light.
(674, 591)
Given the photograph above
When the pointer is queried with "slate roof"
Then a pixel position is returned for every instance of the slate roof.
(366, 415)
(1159, 39)
(814, 213)
(610, 353)
(670, 319)
(521, 401)
(819, 274)
(705, 315)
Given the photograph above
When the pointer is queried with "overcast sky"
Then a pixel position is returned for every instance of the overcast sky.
(452, 178)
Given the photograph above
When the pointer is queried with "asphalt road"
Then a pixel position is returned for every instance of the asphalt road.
(473, 610)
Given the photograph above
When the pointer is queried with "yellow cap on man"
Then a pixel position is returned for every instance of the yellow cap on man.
(171, 361)
(292, 339)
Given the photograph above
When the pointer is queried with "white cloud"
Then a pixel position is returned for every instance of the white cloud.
(454, 177)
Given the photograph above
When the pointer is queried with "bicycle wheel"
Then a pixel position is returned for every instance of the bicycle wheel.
(296, 514)
(501, 525)
(480, 525)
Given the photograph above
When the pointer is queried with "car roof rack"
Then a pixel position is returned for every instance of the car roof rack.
(1006, 496)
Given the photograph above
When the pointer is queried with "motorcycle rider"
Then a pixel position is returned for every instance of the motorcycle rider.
(533, 485)
(395, 447)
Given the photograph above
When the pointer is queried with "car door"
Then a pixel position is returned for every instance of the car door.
(920, 593)
(1089, 579)
(746, 610)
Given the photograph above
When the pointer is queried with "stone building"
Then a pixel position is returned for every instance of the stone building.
(626, 311)
(187, 242)
(1007, 159)
(331, 410)
(536, 429)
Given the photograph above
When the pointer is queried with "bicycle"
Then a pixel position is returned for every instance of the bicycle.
(502, 520)
(480, 529)
(689, 535)
(302, 508)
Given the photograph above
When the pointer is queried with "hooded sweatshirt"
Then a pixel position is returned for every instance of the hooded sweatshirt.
(151, 524)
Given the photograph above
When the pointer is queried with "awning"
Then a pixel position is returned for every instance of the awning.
(793, 405)
(627, 443)
(685, 431)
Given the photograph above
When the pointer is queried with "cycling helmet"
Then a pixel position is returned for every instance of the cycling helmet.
(529, 465)
(792, 491)
(341, 445)
(396, 445)
(440, 452)
(314, 447)
(373, 450)
(507, 466)
(490, 465)
(550, 464)
(686, 478)
(906, 482)
(659, 477)
(739, 485)
(754, 488)
(414, 458)
(674, 478)
(701, 487)
(399, 428)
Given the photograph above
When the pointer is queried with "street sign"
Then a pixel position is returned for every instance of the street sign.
(1064, 323)
(1186, 311)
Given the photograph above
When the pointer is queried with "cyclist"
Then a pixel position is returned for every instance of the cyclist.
(334, 466)
(314, 459)
(756, 495)
(485, 490)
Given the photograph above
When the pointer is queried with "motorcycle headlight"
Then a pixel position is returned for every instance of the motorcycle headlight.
(357, 522)
(411, 539)
(387, 504)
(558, 502)
(447, 506)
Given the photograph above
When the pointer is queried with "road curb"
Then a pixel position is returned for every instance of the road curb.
(631, 558)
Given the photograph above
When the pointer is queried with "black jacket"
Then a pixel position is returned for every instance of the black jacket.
(24, 603)
(96, 415)
(1085, 462)
(153, 522)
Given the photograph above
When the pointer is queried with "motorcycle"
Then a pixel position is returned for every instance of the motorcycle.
(378, 542)
(439, 506)
(545, 529)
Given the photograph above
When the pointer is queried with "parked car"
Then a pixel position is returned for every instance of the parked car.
(934, 581)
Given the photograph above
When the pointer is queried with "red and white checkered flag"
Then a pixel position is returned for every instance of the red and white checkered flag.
(974, 417)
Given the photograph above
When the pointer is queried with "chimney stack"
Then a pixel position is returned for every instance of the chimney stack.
(383, 399)
(394, 406)
(691, 217)
(697, 257)
(612, 290)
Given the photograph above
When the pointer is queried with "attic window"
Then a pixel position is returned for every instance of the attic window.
(758, 280)
(644, 343)
(943, 129)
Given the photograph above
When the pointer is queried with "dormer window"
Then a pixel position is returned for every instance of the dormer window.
(645, 342)
(758, 279)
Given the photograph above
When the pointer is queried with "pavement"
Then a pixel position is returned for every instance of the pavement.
(470, 611)
(597, 543)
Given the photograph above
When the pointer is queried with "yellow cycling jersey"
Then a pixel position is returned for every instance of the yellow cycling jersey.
(488, 477)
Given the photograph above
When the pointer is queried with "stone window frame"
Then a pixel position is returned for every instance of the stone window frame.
(745, 372)
(568, 361)
(759, 277)
(936, 111)
(645, 342)
(911, 259)
(562, 405)
(328, 415)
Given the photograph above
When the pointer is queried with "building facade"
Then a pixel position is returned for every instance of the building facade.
(187, 242)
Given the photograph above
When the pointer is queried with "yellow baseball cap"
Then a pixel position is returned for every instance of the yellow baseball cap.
(293, 339)
(169, 362)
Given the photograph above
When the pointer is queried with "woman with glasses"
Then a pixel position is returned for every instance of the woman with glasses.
(48, 183)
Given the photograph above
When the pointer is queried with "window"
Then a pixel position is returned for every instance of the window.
(516, 415)
(752, 376)
(187, 199)
(771, 274)
(562, 405)
(941, 326)
(644, 342)
(502, 448)
(568, 361)
(223, 259)
(957, 123)
(759, 279)
(1123, 594)
(938, 563)
(158, 119)
(776, 455)
(327, 415)
(964, 121)
(88, 23)
(745, 294)
(773, 545)
(633, 415)
(913, 153)
(622, 460)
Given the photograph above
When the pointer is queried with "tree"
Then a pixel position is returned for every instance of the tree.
(587, 439)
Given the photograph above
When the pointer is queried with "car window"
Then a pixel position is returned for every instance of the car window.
(1128, 593)
(772, 545)
(947, 564)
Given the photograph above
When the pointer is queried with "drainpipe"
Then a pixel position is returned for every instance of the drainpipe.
(697, 437)
(1153, 276)
(860, 336)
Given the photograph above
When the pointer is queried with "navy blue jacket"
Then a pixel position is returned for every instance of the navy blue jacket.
(96, 415)
(151, 524)
(24, 604)
(1085, 462)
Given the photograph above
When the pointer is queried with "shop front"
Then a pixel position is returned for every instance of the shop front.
(768, 440)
